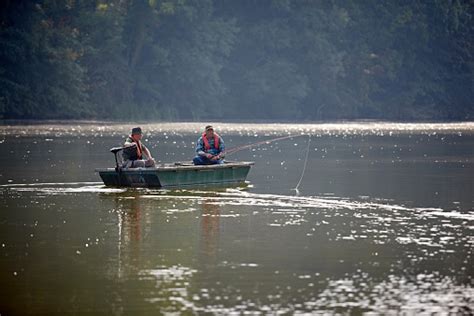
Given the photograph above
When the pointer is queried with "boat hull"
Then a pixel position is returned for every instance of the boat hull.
(177, 175)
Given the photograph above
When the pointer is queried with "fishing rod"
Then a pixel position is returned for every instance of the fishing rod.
(264, 142)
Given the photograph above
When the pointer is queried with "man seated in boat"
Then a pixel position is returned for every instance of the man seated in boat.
(135, 154)
(210, 148)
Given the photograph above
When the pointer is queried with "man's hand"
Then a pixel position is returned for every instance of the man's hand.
(150, 162)
(209, 156)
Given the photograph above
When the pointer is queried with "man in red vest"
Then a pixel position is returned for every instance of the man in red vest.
(135, 154)
(210, 148)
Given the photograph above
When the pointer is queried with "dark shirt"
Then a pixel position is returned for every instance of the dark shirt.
(130, 152)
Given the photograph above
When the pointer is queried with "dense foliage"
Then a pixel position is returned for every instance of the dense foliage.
(237, 59)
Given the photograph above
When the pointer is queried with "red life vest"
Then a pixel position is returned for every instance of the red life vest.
(139, 147)
(206, 141)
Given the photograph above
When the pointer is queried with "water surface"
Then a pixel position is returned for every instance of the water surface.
(382, 222)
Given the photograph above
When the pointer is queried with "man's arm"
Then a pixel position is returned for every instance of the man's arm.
(200, 149)
(147, 152)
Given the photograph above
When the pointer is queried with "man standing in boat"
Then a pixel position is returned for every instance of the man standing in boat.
(135, 154)
(209, 148)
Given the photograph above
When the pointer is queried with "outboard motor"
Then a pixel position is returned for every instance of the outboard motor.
(115, 151)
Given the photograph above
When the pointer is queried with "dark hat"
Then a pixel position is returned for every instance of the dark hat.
(209, 127)
(136, 130)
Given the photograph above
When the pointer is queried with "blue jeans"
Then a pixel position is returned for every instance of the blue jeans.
(201, 160)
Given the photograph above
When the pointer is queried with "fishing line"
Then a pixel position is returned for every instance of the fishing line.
(304, 166)
(239, 148)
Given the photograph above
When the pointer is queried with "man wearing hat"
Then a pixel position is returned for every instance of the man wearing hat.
(209, 148)
(135, 154)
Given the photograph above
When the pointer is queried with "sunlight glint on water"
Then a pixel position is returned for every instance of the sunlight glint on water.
(383, 223)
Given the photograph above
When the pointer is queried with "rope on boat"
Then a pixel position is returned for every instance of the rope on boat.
(296, 188)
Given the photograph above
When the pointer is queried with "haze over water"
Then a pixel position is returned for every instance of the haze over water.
(382, 222)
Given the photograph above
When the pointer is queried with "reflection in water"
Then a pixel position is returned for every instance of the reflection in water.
(210, 229)
(383, 224)
(171, 292)
(130, 234)
(336, 254)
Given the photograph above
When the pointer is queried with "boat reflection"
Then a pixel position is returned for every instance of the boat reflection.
(129, 222)
(134, 223)
(210, 230)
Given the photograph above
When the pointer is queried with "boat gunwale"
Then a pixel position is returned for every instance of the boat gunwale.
(185, 166)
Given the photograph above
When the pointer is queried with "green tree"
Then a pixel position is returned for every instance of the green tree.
(40, 74)
(246, 59)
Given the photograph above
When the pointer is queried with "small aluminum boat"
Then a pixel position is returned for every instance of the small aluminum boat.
(178, 174)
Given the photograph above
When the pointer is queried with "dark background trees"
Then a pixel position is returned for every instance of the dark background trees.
(246, 59)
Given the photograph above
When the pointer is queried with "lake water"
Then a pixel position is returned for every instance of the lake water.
(383, 222)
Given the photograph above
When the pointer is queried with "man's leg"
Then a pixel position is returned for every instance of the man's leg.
(215, 162)
(199, 160)
(134, 164)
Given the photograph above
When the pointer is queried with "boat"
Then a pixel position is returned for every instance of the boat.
(174, 175)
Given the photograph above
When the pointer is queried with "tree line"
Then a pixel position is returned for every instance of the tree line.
(237, 59)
